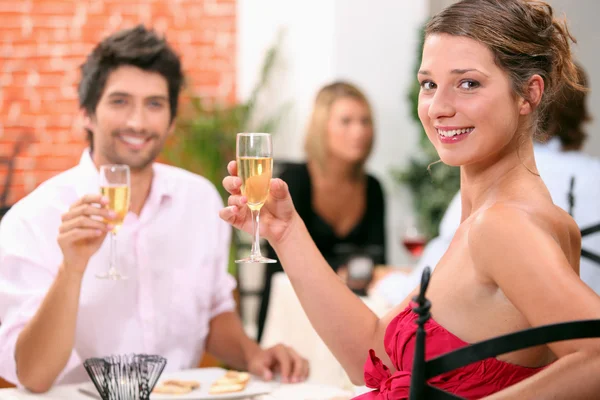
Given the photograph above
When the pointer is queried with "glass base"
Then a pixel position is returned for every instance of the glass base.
(112, 275)
(256, 259)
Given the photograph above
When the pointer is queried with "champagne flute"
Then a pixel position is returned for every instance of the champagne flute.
(115, 185)
(255, 165)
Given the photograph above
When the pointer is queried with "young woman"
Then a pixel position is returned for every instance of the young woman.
(489, 69)
(339, 139)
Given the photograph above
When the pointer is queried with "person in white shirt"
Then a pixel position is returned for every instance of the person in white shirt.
(177, 301)
(559, 159)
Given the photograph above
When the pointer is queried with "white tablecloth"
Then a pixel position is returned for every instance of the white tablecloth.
(288, 324)
(298, 391)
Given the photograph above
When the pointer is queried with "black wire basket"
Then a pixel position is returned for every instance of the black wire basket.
(125, 377)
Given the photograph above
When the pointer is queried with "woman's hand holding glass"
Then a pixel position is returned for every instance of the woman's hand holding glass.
(277, 216)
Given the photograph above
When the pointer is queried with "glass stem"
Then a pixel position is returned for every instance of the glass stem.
(256, 237)
(113, 253)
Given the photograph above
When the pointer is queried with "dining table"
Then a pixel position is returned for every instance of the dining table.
(279, 391)
(286, 323)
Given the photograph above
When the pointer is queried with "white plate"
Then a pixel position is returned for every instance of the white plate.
(206, 376)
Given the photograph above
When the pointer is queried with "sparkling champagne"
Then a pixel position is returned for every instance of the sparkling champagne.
(256, 176)
(118, 201)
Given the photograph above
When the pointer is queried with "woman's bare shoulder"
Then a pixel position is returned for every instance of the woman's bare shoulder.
(511, 225)
(547, 216)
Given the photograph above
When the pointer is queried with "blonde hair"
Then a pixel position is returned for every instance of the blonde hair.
(316, 134)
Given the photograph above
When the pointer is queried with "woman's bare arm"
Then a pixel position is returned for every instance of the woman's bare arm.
(530, 268)
(342, 320)
(346, 325)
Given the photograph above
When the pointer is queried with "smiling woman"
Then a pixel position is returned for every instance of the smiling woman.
(489, 69)
(473, 101)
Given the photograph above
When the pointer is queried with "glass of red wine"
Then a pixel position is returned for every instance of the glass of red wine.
(413, 239)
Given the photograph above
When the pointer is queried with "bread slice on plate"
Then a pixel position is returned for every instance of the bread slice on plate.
(234, 377)
(226, 388)
(171, 389)
(176, 386)
(178, 382)
(231, 382)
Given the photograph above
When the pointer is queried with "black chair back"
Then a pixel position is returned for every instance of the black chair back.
(424, 370)
(585, 231)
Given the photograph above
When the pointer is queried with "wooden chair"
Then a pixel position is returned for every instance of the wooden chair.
(5, 384)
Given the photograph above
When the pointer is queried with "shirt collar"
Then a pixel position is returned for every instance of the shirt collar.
(90, 178)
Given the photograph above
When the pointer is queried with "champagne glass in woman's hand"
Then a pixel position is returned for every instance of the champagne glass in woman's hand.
(255, 165)
(277, 214)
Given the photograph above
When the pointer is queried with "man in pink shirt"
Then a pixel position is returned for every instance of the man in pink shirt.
(173, 247)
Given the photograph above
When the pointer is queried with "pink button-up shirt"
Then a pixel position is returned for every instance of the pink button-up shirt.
(175, 254)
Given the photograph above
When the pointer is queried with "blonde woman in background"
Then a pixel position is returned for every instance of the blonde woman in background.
(341, 205)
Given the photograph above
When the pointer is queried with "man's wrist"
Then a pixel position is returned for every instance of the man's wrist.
(249, 349)
(71, 273)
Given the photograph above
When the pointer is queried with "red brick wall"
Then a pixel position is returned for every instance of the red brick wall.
(42, 45)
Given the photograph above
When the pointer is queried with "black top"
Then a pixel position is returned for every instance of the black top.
(367, 237)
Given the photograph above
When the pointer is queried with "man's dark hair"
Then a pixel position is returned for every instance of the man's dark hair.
(138, 47)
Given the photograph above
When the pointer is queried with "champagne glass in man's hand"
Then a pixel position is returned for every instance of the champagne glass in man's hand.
(115, 185)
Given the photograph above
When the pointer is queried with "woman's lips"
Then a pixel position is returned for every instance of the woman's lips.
(449, 135)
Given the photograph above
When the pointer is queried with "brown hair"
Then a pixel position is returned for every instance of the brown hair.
(139, 47)
(567, 113)
(316, 135)
(524, 38)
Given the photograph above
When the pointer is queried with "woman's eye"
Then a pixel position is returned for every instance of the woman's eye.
(427, 85)
(469, 85)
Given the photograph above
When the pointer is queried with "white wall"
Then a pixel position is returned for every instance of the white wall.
(371, 43)
(305, 60)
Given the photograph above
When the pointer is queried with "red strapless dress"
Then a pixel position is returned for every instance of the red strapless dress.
(473, 381)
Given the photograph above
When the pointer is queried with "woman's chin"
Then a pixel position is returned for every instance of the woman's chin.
(453, 160)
